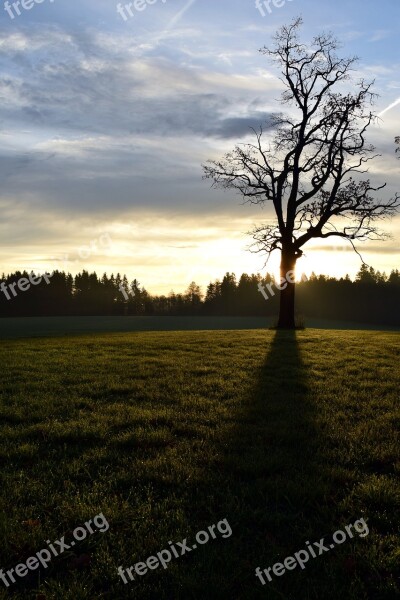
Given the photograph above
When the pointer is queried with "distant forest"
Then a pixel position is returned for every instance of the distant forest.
(372, 298)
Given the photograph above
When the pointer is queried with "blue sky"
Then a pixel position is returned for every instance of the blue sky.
(105, 124)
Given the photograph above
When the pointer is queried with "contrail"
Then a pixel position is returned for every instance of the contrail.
(174, 20)
(395, 103)
(179, 15)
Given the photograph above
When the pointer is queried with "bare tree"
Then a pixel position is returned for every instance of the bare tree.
(311, 169)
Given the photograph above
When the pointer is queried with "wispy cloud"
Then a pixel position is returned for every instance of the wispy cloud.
(104, 122)
(379, 35)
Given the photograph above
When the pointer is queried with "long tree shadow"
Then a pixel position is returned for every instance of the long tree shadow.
(272, 489)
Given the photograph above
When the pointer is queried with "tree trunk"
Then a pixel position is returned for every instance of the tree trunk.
(287, 294)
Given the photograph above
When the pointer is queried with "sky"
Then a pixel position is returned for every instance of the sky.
(106, 119)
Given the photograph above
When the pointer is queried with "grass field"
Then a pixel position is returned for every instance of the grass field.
(20, 327)
(288, 436)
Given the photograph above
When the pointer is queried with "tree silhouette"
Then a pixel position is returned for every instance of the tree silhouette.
(310, 171)
(193, 297)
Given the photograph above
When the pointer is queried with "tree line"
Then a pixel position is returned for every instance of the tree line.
(373, 297)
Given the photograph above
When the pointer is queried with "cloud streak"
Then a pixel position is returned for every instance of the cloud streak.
(392, 105)
(106, 122)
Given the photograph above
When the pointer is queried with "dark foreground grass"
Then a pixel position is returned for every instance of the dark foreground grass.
(289, 436)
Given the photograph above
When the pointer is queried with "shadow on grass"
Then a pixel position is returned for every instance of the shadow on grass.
(269, 485)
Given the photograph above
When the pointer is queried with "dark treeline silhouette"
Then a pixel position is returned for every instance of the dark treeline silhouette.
(372, 298)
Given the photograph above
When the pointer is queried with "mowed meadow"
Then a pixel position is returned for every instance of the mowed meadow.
(289, 436)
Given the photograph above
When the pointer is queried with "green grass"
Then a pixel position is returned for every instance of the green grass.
(24, 327)
(289, 436)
